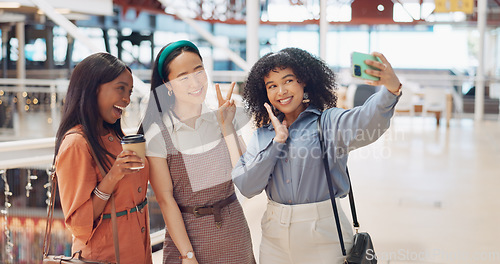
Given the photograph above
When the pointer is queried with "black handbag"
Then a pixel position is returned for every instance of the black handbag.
(362, 251)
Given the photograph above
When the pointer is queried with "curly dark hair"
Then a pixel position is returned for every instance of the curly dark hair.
(318, 77)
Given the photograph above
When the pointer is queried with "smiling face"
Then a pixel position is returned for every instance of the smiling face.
(285, 92)
(188, 80)
(114, 96)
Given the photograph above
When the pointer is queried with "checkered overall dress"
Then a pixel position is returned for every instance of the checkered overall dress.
(203, 179)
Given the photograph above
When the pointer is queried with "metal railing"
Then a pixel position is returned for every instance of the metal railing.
(44, 160)
(27, 160)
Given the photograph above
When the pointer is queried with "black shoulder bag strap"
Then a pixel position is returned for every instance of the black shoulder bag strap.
(332, 195)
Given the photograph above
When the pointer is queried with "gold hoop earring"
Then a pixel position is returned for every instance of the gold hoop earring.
(306, 98)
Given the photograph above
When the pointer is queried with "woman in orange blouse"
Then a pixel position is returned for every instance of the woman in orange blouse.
(99, 90)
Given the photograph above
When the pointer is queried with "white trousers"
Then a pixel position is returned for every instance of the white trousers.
(303, 233)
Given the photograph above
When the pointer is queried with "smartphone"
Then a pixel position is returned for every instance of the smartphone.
(358, 66)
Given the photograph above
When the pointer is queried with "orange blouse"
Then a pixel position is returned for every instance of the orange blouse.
(78, 175)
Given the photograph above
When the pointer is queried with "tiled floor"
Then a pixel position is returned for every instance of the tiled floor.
(433, 197)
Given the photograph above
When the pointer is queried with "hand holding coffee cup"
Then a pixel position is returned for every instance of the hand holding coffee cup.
(137, 144)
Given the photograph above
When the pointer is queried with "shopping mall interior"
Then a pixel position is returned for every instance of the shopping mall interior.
(426, 190)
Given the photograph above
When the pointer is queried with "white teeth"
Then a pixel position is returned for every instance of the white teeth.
(196, 92)
(119, 107)
(284, 101)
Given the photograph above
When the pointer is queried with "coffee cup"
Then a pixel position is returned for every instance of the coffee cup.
(136, 143)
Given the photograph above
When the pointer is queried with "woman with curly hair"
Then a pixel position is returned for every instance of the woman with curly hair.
(287, 92)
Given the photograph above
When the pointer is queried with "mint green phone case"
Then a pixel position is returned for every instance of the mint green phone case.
(358, 66)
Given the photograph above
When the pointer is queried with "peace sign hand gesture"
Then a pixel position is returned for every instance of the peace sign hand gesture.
(227, 108)
(280, 129)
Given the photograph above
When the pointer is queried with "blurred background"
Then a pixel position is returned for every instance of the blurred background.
(426, 190)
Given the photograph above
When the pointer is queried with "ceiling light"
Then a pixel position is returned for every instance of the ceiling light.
(9, 5)
(62, 11)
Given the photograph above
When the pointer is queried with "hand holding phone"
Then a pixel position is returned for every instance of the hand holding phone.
(381, 73)
(358, 66)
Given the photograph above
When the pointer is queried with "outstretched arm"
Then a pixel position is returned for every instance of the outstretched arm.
(364, 124)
